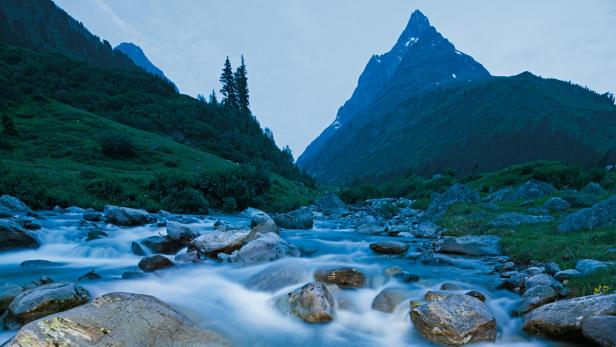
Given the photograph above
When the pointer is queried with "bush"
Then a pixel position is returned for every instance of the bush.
(244, 183)
(29, 188)
(117, 145)
(229, 204)
(186, 200)
(8, 127)
(109, 190)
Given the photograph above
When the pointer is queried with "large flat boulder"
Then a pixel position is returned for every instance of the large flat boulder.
(601, 330)
(45, 300)
(127, 217)
(530, 190)
(475, 245)
(563, 318)
(601, 214)
(266, 248)
(13, 236)
(455, 320)
(117, 319)
(215, 242)
(299, 219)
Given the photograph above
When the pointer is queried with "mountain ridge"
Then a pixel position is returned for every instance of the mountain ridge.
(137, 55)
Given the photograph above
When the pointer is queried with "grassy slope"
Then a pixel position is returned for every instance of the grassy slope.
(58, 147)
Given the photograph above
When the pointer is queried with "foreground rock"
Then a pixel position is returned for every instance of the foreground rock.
(601, 214)
(457, 193)
(601, 330)
(299, 219)
(266, 248)
(117, 319)
(471, 245)
(45, 300)
(563, 318)
(126, 217)
(275, 277)
(455, 320)
(12, 204)
(389, 298)
(343, 277)
(312, 302)
(512, 219)
(215, 242)
(389, 247)
(8, 292)
(12, 236)
(159, 244)
(154, 262)
(536, 297)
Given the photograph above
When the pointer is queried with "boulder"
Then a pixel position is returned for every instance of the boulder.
(256, 216)
(92, 216)
(601, 330)
(566, 274)
(12, 236)
(275, 277)
(331, 204)
(266, 248)
(389, 247)
(545, 280)
(556, 204)
(563, 318)
(551, 268)
(117, 319)
(471, 245)
(530, 190)
(476, 294)
(47, 299)
(159, 244)
(214, 242)
(12, 204)
(398, 229)
(601, 214)
(427, 230)
(8, 292)
(39, 263)
(407, 277)
(499, 196)
(587, 266)
(511, 219)
(180, 232)
(593, 188)
(513, 280)
(455, 321)
(299, 219)
(344, 277)
(263, 228)
(535, 297)
(127, 217)
(154, 262)
(372, 229)
(90, 276)
(312, 302)
(457, 193)
(389, 298)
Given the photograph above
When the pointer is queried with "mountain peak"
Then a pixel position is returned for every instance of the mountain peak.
(140, 59)
(418, 19)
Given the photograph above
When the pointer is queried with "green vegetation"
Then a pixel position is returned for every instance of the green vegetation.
(59, 159)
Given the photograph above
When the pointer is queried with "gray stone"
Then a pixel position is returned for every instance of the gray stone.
(530, 190)
(471, 245)
(552, 268)
(8, 292)
(513, 280)
(601, 330)
(566, 274)
(456, 320)
(389, 247)
(12, 236)
(256, 216)
(535, 297)
(587, 266)
(214, 242)
(312, 302)
(331, 204)
(563, 318)
(593, 188)
(117, 319)
(92, 216)
(13, 204)
(266, 248)
(511, 219)
(398, 229)
(39, 263)
(389, 298)
(47, 299)
(427, 230)
(545, 280)
(159, 244)
(181, 232)
(154, 262)
(372, 229)
(344, 277)
(601, 214)
(299, 219)
(556, 204)
(275, 277)
(124, 216)
(499, 196)
(457, 193)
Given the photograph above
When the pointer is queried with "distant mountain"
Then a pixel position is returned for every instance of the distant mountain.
(41, 25)
(139, 58)
(426, 106)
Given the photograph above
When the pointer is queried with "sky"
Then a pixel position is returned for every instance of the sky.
(304, 56)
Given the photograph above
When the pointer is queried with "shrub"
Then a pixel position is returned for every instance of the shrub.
(8, 127)
(244, 183)
(117, 145)
(229, 204)
(28, 187)
(172, 163)
(186, 200)
(109, 190)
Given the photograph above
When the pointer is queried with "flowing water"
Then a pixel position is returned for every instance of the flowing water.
(215, 296)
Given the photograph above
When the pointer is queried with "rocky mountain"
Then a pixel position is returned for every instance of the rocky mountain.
(140, 59)
(426, 106)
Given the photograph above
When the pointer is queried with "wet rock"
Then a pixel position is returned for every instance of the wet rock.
(47, 299)
(511, 219)
(392, 270)
(312, 302)
(457, 193)
(154, 262)
(556, 204)
(514, 280)
(456, 320)
(395, 230)
(566, 274)
(117, 319)
(593, 188)
(563, 318)
(299, 219)
(40, 263)
(96, 234)
(263, 228)
(345, 277)
(407, 277)
(427, 230)
(426, 257)
(163, 245)
(8, 292)
(471, 245)
(435, 295)
(588, 266)
(476, 294)
(533, 270)
(92, 216)
(90, 276)
(545, 280)
(129, 275)
(188, 257)
(372, 229)
(137, 249)
(389, 247)
(275, 277)
(535, 297)
(451, 286)
(180, 232)
(601, 330)
(266, 248)
(601, 214)
(331, 204)
(256, 216)
(12, 236)
(389, 298)
(124, 216)
(12, 204)
(215, 242)
(508, 266)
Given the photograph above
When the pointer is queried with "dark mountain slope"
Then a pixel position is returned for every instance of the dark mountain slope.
(140, 59)
(41, 25)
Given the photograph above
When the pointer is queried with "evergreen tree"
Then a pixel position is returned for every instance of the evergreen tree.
(8, 126)
(213, 98)
(229, 88)
(241, 81)
(201, 98)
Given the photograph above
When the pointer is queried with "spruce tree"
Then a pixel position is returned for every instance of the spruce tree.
(241, 81)
(213, 98)
(8, 127)
(229, 88)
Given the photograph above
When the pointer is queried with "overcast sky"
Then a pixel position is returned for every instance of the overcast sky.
(304, 56)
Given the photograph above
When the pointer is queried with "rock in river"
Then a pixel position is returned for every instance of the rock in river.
(180, 232)
(471, 245)
(343, 277)
(45, 300)
(389, 247)
(312, 302)
(535, 297)
(455, 320)
(159, 244)
(12, 236)
(154, 262)
(275, 277)
(387, 300)
(8, 292)
(268, 247)
(214, 242)
(299, 219)
(601, 330)
(117, 319)
(127, 217)
(563, 318)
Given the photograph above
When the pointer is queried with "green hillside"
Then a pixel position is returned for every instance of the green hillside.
(57, 158)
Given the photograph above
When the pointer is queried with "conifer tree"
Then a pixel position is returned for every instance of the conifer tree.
(213, 98)
(229, 88)
(8, 127)
(241, 82)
